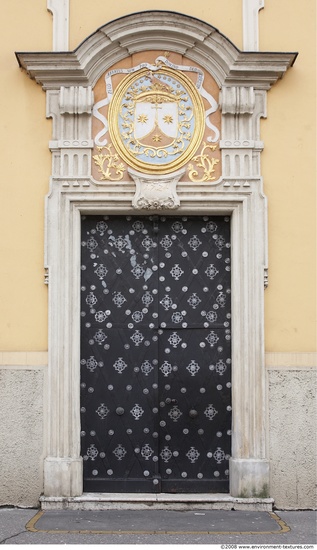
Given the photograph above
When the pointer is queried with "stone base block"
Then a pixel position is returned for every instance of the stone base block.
(63, 477)
(249, 478)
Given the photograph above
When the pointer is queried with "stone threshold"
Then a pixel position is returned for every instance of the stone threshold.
(160, 501)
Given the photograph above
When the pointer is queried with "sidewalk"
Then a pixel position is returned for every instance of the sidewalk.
(21, 526)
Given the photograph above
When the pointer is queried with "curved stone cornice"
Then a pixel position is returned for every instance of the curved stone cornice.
(156, 30)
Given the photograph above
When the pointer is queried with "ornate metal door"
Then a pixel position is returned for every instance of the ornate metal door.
(155, 353)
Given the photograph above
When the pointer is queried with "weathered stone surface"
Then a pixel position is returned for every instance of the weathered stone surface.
(21, 436)
(292, 450)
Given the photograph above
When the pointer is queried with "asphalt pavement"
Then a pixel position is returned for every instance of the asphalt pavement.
(196, 527)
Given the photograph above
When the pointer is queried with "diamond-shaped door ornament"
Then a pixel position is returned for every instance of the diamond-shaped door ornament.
(91, 363)
(138, 271)
(119, 452)
(101, 271)
(174, 339)
(100, 336)
(193, 455)
(91, 299)
(194, 243)
(137, 338)
(166, 302)
(120, 243)
(193, 367)
(91, 244)
(166, 454)
(212, 338)
(148, 243)
(119, 365)
(147, 299)
(211, 271)
(137, 411)
(210, 412)
(146, 367)
(102, 411)
(147, 451)
(118, 299)
(166, 368)
(176, 272)
(166, 242)
(194, 300)
(92, 452)
(219, 455)
(175, 413)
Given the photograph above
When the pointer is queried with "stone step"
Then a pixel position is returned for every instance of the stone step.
(161, 501)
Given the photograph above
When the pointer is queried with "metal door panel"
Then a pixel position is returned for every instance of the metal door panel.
(194, 280)
(120, 398)
(156, 413)
(195, 412)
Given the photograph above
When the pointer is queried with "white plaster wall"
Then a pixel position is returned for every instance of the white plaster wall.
(21, 436)
(292, 437)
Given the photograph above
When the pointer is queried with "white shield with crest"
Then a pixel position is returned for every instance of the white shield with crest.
(155, 121)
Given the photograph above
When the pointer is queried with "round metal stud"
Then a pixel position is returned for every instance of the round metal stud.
(120, 411)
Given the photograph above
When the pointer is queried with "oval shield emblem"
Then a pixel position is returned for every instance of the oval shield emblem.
(156, 120)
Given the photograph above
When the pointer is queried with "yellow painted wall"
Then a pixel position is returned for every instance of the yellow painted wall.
(225, 15)
(25, 170)
(288, 162)
(289, 172)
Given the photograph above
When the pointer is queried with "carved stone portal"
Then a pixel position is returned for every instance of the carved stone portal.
(233, 188)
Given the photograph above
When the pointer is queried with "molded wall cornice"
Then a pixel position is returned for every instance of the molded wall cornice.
(157, 30)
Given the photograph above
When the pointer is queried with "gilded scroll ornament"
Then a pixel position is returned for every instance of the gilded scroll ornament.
(112, 171)
(206, 163)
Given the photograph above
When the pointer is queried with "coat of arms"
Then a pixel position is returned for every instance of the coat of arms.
(156, 120)
(158, 116)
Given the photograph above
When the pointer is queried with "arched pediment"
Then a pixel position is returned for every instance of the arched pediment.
(156, 30)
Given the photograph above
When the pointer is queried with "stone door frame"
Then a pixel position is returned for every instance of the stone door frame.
(68, 79)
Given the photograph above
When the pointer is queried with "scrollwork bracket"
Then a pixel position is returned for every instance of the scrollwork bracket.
(156, 192)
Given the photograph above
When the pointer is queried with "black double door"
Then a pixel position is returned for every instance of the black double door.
(155, 354)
